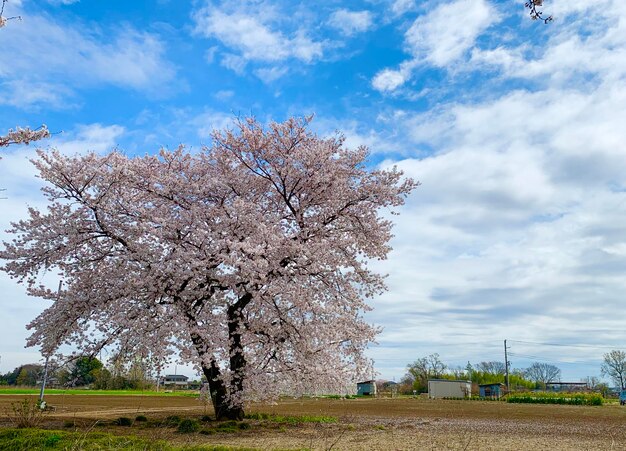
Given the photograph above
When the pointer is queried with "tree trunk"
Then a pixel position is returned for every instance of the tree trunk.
(223, 409)
(237, 358)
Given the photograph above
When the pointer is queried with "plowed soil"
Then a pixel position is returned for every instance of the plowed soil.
(364, 424)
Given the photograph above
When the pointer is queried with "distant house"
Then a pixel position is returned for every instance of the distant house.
(491, 390)
(444, 388)
(51, 382)
(366, 388)
(175, 380)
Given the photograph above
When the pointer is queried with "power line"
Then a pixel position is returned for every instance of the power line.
(544, 359)
(563, 345)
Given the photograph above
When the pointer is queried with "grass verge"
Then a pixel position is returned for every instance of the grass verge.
(575, 399)
(39, 439)
(78, 391)
(291, 419)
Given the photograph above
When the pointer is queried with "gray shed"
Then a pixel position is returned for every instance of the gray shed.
(444, 388)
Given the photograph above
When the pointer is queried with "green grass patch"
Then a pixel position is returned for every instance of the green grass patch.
(39, 439)
(14, 439)
(79, 391)
(172, 420)
(124, 421)
(188, 426)
(291, 419)
(228, 426)
(574, 399)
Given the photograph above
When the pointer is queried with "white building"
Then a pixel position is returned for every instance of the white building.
(443, 388)
(177, 380)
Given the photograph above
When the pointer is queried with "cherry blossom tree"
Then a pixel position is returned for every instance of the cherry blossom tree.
(248, 258)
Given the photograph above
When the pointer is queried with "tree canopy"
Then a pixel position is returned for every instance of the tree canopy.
(248, 258)
(614, 366)
(543, 373)
(424, 368)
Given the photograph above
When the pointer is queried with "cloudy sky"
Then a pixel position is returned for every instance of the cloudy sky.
(516, 130)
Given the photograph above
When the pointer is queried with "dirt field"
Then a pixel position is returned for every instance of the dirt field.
(367, 424)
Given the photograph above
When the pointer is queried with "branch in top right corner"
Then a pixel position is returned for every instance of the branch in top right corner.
(536, 14)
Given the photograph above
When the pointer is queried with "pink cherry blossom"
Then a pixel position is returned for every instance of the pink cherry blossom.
(247, 258)
(24, 136)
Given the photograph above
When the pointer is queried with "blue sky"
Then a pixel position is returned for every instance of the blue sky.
(514, 128)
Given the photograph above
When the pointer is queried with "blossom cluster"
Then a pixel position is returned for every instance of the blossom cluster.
(24, 135)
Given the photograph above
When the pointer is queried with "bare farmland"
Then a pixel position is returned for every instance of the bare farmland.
(376, 424)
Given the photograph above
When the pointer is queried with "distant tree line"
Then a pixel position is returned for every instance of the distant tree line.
(536, 376)
(431, 367)
(24, 375)
(83, 372)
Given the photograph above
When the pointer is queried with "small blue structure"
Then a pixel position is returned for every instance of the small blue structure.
(491, 390)
(366, 388)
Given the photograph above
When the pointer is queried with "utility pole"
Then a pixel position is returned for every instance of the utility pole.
(506, 368)
(45, 368)
(43, 382)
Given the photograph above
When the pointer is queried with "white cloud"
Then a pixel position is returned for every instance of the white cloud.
(224, 94)
(24, 94)
(54, 56)
(561, 8)
(399, 7)
(443, 35)
(210, 54)
(254, 39)
(246, 34)
(589, 41)
(568, 58)
(63, 2)
(391, 79)
(304, 48)
(93, 138)
(270, 74)
(439, 38)
(351, 22)
(206, 123)
(357, 134)
(234, 62)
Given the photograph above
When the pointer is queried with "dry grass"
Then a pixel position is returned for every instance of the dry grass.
(25, 413)
(376, 424)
